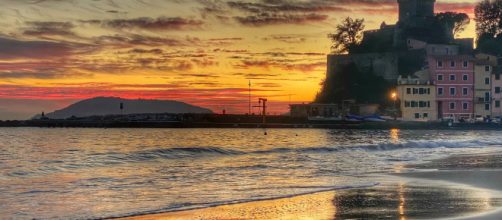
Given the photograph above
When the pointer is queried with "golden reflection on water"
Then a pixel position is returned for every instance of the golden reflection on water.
(394, 135)
(402, 202)
(305, 207)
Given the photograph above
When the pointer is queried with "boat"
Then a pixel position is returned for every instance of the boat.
(374, 118)
(351, 117)
(320, 118)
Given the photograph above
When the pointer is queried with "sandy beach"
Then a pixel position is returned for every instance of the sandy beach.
(440, 189)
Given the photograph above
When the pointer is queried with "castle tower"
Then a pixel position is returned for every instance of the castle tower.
(412, 10)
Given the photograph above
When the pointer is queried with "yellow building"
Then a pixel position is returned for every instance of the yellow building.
(483, 84)
(417, 98)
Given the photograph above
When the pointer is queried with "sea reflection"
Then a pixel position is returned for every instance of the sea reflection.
(97, 173)
(395, 201)
(412, 200)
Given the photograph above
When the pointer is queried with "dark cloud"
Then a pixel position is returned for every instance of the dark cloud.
(42, 73)
(201, 75)
(272, 18)
(286, 38)
(143, 51)
(17, 49)
(49, 28)
(286, 6)
(282, 64)
(147, 23)
(136, 40)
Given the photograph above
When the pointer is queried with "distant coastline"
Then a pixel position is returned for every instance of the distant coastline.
(233, 121)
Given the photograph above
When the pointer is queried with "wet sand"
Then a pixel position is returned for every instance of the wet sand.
(448, 190)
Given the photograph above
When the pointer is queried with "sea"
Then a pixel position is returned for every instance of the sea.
(92, 173)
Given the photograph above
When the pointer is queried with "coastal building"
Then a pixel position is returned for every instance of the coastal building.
(483, 69)
(453, 76)
(496, 91)
(417, 98)
(332, 110)
(315, 110)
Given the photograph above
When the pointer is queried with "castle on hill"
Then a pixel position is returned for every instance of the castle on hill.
(401, 48)
(432, 75)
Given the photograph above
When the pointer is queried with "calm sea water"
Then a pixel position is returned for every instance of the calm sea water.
(93, 173)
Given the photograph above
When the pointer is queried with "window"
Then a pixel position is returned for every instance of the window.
(465, 91)
(408, 90)
(487, 106)
(440, 91)
(487, 81)
(465, 105)
(465, 77)
(426, 115)
(497, 104)
(452, 105)
(487, 68)
(497, 90)
(440, 63)
(414, 104)
(452, 77)
(497, 76)
(428, 104)
(466, 64)
(421, 91)
(406, 104)
(452, 91)
(417, 115)
(428, 90)
(440, 77)
(487, 96)
(422, 104)
(415, 91)
(452, 63)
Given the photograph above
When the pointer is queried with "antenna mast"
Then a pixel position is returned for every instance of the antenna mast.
(249, 108)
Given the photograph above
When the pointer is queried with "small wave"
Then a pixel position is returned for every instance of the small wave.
(191, 206)
(385, 146)
(173, 153)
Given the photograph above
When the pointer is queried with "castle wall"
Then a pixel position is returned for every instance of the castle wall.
(380, 64)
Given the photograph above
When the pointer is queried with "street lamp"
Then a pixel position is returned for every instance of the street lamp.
(393, 96)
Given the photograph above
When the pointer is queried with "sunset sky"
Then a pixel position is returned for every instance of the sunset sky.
(56, 52)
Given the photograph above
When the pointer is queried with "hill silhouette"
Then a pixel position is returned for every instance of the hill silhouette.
(111, 105)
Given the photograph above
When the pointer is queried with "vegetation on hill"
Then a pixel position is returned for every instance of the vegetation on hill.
(453, 22)
(488, 16)
(350, 83)
(347, 36)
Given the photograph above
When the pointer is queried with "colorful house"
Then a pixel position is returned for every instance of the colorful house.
(496, 91)
(483, 68)
(417, 99)
(453, 76)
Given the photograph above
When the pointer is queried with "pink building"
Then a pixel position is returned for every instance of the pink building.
(454, 79)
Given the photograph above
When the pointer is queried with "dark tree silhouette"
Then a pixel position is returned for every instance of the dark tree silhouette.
(350, 83)
(348, 34)
(453, 21)
(488, 16)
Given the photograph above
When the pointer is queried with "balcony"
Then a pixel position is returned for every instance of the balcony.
(480, 100)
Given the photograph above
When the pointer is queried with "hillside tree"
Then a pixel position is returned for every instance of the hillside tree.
(348, 35)
(453, 21)
(488, 16)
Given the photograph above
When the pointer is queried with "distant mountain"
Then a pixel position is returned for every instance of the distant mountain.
(111, 105)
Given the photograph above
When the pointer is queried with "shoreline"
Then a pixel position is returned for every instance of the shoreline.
(252, 125)
(454, 194)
